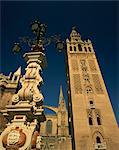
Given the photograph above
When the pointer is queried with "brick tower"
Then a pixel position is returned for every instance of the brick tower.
(92, 122)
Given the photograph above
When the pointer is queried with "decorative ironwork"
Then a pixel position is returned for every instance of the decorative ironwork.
(40, 41)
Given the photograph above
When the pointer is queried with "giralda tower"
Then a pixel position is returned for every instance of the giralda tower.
(92, 122)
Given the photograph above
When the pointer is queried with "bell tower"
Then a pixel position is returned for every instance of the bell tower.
(91, 118)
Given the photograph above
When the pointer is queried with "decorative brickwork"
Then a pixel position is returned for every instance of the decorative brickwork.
(97, 84)
(92, 65)
(77, 83)
(74, 64)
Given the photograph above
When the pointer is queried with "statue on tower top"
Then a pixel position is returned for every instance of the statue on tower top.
(74, 35)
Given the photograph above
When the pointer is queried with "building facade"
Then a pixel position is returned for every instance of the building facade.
(89, 123)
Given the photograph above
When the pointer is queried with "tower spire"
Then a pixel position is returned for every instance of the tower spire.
(62, 103)
(61, 97)
(18, 72)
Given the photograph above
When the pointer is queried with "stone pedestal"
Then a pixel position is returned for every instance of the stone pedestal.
(26, 113)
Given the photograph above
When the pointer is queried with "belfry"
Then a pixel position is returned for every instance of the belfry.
(88, 124)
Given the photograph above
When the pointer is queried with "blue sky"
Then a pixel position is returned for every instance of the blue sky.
(97, 21)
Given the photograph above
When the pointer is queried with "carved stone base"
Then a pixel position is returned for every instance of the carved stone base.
(12, 147)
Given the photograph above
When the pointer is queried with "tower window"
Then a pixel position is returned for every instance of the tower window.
(98, 120)
(90, 121)
(98, 139)
(92, 106)
(70, 48)
(89, 49)
(15, 78)
(74, 48)
(85, 49)
(49, 127)
(91, 102)
(79, 47)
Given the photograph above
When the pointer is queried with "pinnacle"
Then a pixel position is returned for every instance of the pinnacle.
(18, 72)
(61, 97)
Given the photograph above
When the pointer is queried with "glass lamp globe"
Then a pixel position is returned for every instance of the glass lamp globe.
(60, 46)
(16, 48)
(35, 26)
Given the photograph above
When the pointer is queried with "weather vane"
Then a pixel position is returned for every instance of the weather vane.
(40, 41)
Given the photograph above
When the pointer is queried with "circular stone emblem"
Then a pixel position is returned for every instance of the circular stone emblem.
(13, 137)
(16, 137)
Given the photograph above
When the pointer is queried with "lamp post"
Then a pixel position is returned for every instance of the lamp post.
(39, 29)
(26, 112)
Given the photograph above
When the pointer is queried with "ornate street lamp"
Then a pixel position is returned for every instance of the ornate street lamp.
(26, 113)
(39, 29)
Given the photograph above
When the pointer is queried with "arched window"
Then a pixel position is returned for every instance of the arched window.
(98, 120)
(74, 48)
(15, 78)
(90, 120)
(98, 140)
(49, 127)
(79, 47)
(70, 48)
(89, 49)
(85, 49)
